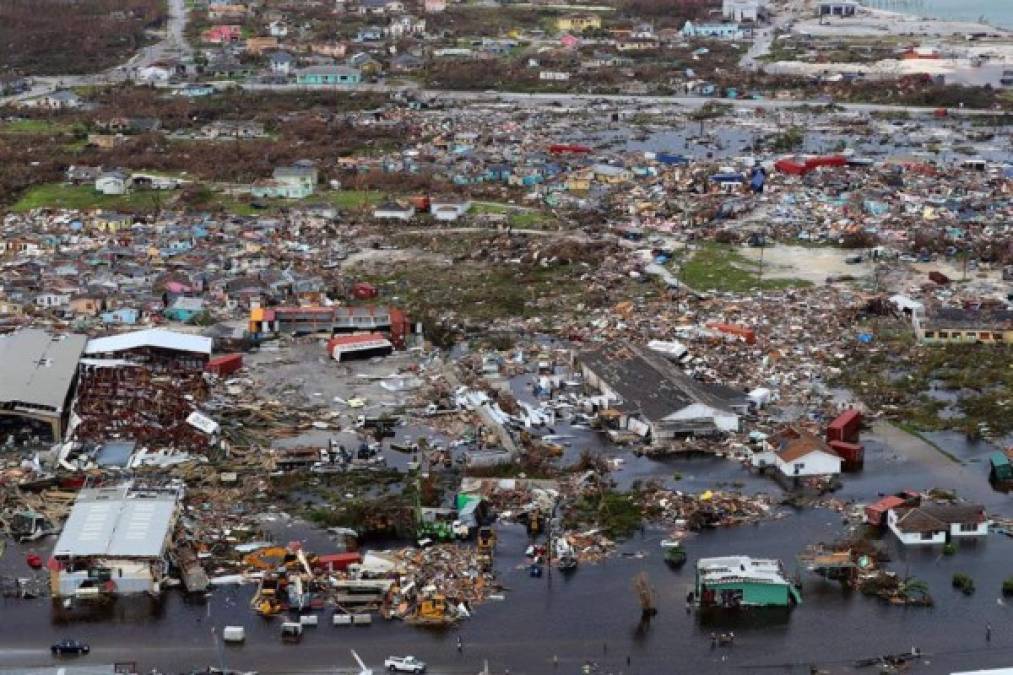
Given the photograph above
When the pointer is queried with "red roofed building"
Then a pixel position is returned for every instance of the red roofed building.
(218, 35)
(361, 346)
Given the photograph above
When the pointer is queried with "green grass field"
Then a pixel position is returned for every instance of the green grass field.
(84, 197)
(715, 267)
(34, 127)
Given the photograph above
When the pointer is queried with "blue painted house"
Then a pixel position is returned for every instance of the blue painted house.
(126, 316)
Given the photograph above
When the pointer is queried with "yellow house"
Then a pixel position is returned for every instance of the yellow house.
(86, 304)
(579, 181)
(578, 22)
(259, 45)
(111, 222)
(10, 307)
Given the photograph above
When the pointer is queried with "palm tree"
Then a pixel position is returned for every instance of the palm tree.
(913, 588)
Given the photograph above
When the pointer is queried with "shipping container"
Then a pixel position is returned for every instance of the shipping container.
(223, 365)
(853, 454)
(337, 562)
(845, 427)
(744, 332)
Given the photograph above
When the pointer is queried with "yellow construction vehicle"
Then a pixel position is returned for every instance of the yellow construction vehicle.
(485, 542)
(432, 610)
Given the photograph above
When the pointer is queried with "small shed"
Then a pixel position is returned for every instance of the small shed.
(1000, 469)
(875, 513)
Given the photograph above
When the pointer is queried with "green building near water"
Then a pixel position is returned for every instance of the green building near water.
(741, 581)
(1000, 468)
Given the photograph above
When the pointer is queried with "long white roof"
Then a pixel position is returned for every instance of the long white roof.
(152, 337)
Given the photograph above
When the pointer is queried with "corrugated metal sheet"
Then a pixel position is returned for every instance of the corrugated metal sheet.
(38, 368)
(117, 522)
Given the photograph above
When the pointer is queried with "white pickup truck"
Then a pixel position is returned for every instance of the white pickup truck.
(406, 664)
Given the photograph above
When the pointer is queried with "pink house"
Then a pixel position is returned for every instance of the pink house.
(569, 41)
(431, 6)
(222, 34)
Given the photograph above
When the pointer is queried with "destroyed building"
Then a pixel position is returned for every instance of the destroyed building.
(654, 399)
(390, 321)
(155, 348)
(143, 386)
(115, 542)
(38, 376)
(957, 325)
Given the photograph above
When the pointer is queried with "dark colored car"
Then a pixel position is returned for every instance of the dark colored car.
(69, 647)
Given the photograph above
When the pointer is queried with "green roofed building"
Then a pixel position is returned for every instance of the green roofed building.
(741, 581)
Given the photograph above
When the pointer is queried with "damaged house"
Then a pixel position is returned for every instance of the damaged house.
(115, 542)
(651, 397)
(38, 376)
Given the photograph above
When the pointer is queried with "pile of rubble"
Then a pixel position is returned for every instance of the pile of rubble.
(706, 510)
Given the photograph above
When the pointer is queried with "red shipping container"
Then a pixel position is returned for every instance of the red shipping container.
(226, 364)
(562, 148)
(853, 454)
(364, 291)
(875, 514)
(336, 562)
(744, 332)
(845, 427)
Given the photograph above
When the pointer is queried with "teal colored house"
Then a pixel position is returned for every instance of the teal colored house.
(741, 581)
(184, 309)
(328, 75)
(720, 31)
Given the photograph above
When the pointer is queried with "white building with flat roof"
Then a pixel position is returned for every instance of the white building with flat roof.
(741, 10)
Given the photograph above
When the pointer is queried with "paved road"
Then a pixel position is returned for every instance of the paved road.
(581, 100)
(762, 39)
(174, 44)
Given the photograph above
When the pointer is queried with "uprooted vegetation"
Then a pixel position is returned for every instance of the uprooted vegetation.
(498, 277)
(968, 387)
(57, 37)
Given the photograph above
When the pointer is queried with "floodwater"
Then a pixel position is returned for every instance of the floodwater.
(728, 138)
(998, 13)
(593, 613)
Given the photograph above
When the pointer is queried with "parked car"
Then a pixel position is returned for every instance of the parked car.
(69, 647)
(405, 664)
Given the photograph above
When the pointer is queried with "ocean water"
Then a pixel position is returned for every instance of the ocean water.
(997, 13)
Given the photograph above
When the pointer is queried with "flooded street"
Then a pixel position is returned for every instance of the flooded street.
(556, 615)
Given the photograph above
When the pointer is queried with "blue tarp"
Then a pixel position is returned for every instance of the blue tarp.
(669, 158)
